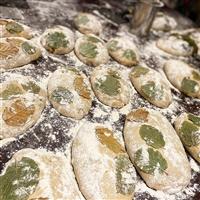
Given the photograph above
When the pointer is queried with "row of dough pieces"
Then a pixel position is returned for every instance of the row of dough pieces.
(101, 165)
(71, 94)
(90, 49)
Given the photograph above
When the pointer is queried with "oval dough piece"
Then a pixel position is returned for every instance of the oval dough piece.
(11, 28)
(123, 50)
(183, 77)
(22, 101)
(69, 92)
(109, 87)
(151, 85)
(176, 45)
(156, 151)
(87, 23)
(163, 22)
(91, 50)
(188, 128)
(99, 163)
(16, 52)
(58, 40)
(38, 174)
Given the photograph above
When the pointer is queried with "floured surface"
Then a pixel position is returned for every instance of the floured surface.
(55, 132)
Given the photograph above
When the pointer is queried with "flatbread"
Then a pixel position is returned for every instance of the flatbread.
(101, 165)
(69, 92)
(110, 87)
(156, 151)
(16, 52)
(58, 40)
(22, 101)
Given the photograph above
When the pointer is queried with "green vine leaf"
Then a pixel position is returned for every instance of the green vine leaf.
(62, 94)
(151, 91)
(57, 40)
(129, 54)
(195, 119)
(152, 136)
(189, 86)
(20, 180)
(11, 91)
(110, 86)
(14, 27)
(123, 165)
(112, 45)
(93, 39)
(27, 48)
(190, 134)
(32, 87)
(139, 71)
(154, 162)
(88, 49)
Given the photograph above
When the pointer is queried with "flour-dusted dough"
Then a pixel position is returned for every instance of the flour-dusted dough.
(176, 45)
(11, 28)
(91, 50)
(48, 176)
(101, 165)
(69, 92)
(123, 50)
(87, 23)
(16, 52)
(151, 85)
(188, 128)
(163, 22)
(156, 151)
(183, 77)
(109, 87)
(22, 101)
(58, 40)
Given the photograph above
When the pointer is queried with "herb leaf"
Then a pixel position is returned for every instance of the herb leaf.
(88, 49)
(14, 27)
(57, 40)
(189, 86)
(110, 86)
(20, 180)
(150, 91)
(139, 70)
(129, 54)
(28, 48)
(152, 136)
(123, 165)
(155, 161)
(62, 93)
(190, 134)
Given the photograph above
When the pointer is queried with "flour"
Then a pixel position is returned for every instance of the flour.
(55, 132)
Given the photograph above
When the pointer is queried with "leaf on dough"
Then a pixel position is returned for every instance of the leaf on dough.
(17, 114)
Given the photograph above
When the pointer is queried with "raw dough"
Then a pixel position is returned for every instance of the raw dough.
(183, 77)
(16, 52)
(123, 50)
(87, 23)
(69, 92)
(22, 101)
(40, 175)
(91, 50)
(151, 85)
(102, 167)
(109, 87)
(188, 128)
(11, 28)
(58, 40)
(156, 151)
